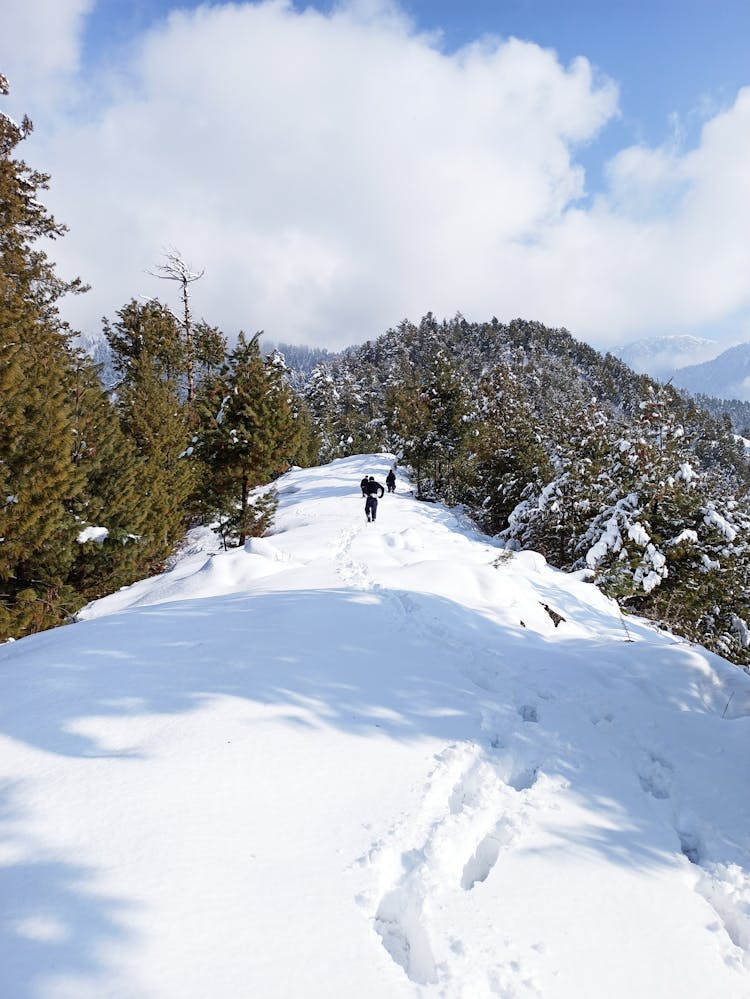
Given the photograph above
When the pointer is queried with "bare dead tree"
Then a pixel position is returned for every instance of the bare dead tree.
(176, 269)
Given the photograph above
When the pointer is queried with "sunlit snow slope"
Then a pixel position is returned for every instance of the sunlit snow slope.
(360, 760)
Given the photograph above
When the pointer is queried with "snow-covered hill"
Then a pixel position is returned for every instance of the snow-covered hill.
(370, 760)
(726, 376)
(660, 356)
(97, 348)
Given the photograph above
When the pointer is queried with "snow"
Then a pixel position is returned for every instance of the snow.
(686, 472)
(356, 759)
(686, 537)
(638, 533)
(713, 518)
(609, 541)
(98, 534)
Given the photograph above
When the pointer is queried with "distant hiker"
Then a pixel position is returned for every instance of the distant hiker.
(390, 481)
(363, 486)
(371, 506)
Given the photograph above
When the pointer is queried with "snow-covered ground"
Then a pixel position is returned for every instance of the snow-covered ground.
(361, 760)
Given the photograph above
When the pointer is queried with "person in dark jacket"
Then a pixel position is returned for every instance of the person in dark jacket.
(371, 506)
(363, 486)
(390, 481)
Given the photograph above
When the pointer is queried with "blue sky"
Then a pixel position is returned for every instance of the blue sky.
(336, 168)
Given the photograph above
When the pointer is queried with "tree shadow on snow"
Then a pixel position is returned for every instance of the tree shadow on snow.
(403, 665)
(53, 921)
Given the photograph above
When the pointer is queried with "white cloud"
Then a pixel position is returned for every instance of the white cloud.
(667, 249)
(336, 173)
(40, 42)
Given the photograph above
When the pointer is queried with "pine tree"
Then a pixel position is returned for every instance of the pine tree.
(307, 446)
(210, 347)
(247, 437)
(428, 419)
(109, 512)
(146, 329)
(321, 398)
(37, 472)
(409, 420)
(149, 357)
(555, 519)
(651, 545)
(508, 463)
(175, 268)
(156, 422)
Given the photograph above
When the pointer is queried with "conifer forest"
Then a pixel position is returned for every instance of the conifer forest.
(543, 442)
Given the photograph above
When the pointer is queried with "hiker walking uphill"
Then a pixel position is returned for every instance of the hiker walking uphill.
(390, 481)
(371, 489)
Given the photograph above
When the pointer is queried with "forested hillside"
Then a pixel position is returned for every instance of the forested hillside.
(552, 446)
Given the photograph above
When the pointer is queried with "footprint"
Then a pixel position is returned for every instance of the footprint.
(655, 775)
(529, 713)
(471, 815)
(480, 864)
(522, 780)
(399, 924)
(690, 846)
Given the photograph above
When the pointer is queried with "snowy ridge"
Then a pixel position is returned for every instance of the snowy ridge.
(371, 760)
(661, 356)
(726, 376)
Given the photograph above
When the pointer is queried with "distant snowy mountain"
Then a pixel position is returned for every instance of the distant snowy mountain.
(376, 760)
(660, 357)
(726, 376)
(96, 346)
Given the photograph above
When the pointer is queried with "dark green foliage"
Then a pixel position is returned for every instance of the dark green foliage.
(210, 347)
(507, 462)
(148, 353)
(111, 497)
(427, 417)
(146, 330)
(248, 435)
(37, 472)
(155, 421)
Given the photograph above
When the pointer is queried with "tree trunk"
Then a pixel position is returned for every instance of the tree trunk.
(188, 342)
(243, 507)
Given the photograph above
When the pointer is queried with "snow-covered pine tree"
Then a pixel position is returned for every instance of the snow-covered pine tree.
(507, 462)
(556, 518)
(427, 418)
(321, 397)
(662, 547)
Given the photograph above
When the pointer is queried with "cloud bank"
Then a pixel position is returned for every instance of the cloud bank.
(336, 173)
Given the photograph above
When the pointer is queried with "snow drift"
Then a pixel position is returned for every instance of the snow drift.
(370, 760)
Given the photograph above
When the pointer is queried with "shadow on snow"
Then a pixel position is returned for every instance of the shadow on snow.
(409, 666)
